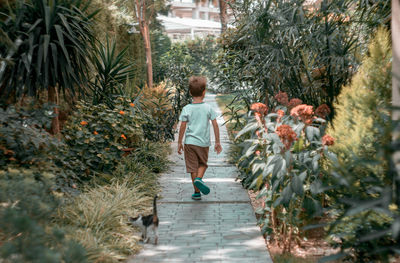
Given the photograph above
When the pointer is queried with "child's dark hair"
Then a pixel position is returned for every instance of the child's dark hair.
(197, 84)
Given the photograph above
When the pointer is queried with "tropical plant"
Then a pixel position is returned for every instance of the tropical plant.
(52, 40)
(112, 72)
(281, 158)
(308, 51)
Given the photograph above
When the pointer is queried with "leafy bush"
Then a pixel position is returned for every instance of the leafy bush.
(26, 230)
(97, 137)
(363, 195)
(158, 114)
(281, 158)
(309, 51)
(24, 140)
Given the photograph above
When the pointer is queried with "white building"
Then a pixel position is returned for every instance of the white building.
(189, 19)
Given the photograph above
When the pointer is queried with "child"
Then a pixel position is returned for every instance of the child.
(195, 120)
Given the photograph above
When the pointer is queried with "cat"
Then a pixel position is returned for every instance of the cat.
(146, 221)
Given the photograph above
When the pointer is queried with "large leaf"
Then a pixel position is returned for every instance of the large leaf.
(249, 127)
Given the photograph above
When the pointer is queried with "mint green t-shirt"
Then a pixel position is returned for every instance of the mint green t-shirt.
(198, 116)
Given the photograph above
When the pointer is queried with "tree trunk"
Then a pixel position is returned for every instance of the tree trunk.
(396, 92)
(147, 47)
(223, 15)
(145, 32)
(52, 97)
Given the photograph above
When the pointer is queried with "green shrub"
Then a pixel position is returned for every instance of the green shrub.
(24, 140)
(26, 212)
(363, 187)
(158, 114)
(97, 137)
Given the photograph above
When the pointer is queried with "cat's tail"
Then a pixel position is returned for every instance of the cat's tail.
(155, 205)
(155, 216)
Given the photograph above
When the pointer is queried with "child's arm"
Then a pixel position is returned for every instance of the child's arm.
(182, 130)
(217, 147)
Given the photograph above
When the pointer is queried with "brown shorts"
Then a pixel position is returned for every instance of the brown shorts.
(195, 156)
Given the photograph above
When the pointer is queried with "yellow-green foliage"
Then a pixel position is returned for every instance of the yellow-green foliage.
(362, 108)
(98, 220)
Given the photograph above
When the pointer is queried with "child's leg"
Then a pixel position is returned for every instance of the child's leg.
(200, 171)
(194, 175)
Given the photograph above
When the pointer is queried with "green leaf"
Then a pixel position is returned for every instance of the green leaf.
(249, 127)
(297, 185)
(299, 145)
(312, 132)
(287, 194)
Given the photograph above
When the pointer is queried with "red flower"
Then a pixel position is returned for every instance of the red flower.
(132, 104)
(328, 140)
(257, 153)
(303, 112)
(294, 102)
(83, 123)
(122, 112)
(322, 111)
(259, 108)
(123, 136)
(287, 135)
(282, 98)
(95, 133)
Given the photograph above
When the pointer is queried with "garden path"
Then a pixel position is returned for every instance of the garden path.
(219, 228)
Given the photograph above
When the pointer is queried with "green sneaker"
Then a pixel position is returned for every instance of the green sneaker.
(198, 182)
(196, 196)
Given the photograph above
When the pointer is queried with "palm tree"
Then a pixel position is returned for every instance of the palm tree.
(53, 50)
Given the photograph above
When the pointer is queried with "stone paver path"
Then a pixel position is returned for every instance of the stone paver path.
(219, 228)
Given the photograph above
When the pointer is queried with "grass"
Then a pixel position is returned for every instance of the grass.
(288, 258)
(233, 124)
(97, 218)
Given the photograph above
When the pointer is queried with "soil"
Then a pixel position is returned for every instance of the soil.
(312, 249)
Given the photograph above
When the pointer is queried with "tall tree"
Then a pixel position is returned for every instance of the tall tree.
(142, 7)
(223, 13)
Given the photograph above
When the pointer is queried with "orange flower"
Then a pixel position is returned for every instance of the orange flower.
(83, 123)
(260, 108)
(280, 113)
(294, 102)
(132, 104)
(122, 112)
(303, 112)
(328, 140)
(287, 135)
(282, 98)
(322, 111)
(95, 133)
(123, 136)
